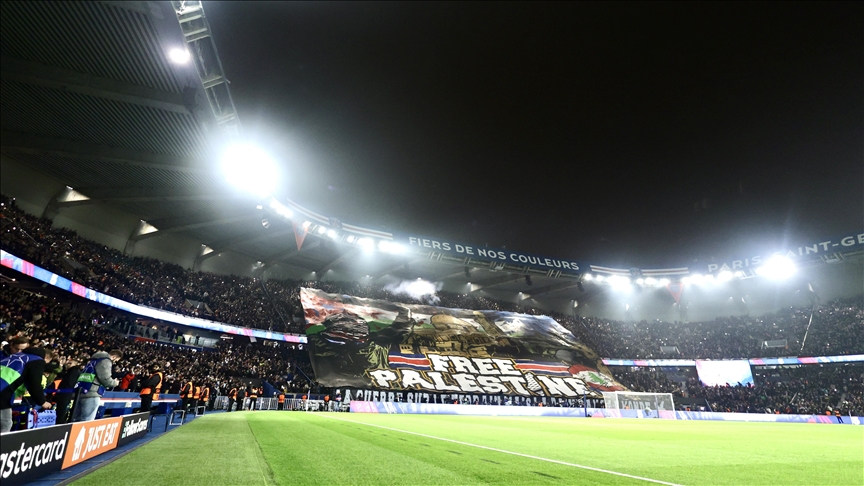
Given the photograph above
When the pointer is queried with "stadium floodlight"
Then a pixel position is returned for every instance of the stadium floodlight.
(696, 278)
(777, 268)
(366, 243)
(350, 239)
(322, 230)
(640, 281)
(663, 281)
(332, 234)
(724, 276)
(588, 277)
(600, 278)
(251, 169)
(179, 55)
(390, 247)
(280, 209)
(306, 225)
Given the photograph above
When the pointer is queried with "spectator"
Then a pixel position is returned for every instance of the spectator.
(21, 371)
(94, 378)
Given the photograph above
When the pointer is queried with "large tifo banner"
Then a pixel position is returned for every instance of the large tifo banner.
(366, 343)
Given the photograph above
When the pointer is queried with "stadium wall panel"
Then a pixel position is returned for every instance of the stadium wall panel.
(496, 410)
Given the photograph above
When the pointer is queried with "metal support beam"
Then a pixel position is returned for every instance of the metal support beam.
(145, 194)
(226, 244)
(32, 144)
(27, 72)
(393, 268)
(285, 255)
(180, 224)
(327, 266)
(491, 282)
(552, 288)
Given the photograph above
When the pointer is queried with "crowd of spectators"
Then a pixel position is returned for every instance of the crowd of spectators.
(76, 330)
(275, 304)
(146, 281)
(804, 389)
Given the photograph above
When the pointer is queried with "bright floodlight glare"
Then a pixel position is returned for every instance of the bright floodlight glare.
(306, 224)
(777, 268)
(588, 277)
(366, 243)
(390, 247)
(332, 234)
(664, 281)
(350, 239)
(250, 169)
(640, 281)
(280, 209)
(651, 281)
(739, 273)
(322, 230)
(600, 278)
(724, 276)
(179, 55)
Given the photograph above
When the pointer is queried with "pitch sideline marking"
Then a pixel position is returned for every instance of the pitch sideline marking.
(554, 461)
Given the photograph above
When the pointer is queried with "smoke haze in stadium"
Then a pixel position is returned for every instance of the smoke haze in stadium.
(617, 132)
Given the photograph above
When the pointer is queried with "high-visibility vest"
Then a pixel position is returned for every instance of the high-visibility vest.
(188, 390)
(11, 369)
(281, 398)
(205, 394)
(158, 387)
(197, 393)
(88, 377)
(233, 394)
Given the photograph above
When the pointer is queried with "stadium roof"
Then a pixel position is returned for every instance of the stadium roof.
(91, 96)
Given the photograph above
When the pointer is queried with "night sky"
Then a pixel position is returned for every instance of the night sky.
(615, 133)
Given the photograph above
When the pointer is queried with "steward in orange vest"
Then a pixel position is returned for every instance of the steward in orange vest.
(151, 388)
(187, 393)
(205, 394)
(281, 401)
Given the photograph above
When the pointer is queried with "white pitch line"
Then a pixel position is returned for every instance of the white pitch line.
(554, 461)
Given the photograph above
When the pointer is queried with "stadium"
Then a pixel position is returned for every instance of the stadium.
(369, 243)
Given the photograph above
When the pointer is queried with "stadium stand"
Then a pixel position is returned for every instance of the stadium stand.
(242, 301)
(79, 330)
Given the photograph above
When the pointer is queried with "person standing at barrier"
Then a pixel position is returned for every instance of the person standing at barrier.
(151, 388)
(205, 396)
(19, 372)
(253, 398)
(196, 398)
(232, 398)
(281, 401)
(241, 396)
(187, 392)
(67, 381)
(94, 378)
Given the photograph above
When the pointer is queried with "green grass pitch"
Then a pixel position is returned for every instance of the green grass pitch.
(287, 448)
